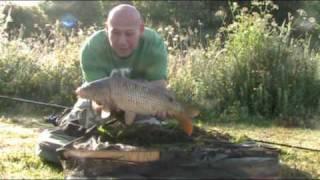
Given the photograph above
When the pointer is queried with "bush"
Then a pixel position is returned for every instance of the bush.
(29, 17)
(252, 68)
(40, 72)
(259, 69)
(273, 74)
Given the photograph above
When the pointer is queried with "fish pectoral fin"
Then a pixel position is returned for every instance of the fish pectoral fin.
(129, 117)
(105, 114)
(191, 111)
(185, 122)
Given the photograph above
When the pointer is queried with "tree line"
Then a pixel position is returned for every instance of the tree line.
(208, 15)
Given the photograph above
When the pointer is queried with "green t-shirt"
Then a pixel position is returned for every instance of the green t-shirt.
(148, 61)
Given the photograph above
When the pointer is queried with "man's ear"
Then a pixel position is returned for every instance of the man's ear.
(141, 28)
(106, 26)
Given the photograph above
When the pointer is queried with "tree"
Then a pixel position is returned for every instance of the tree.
(26, 16)
(86, 12)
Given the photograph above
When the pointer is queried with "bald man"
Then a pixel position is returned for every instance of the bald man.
(125, 46)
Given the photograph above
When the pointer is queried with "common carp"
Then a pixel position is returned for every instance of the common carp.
(134, 97)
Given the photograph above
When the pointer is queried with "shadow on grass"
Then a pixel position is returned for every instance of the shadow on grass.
(262, 123)
(286, 171)
(26, 121)
(55, 166)
(29, 116)
(292, 173)
(310, 122)
(245, 123)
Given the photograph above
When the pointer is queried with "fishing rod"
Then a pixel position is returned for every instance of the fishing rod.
(286, 145)
(271, 143)
(67, 108)
(35, 102)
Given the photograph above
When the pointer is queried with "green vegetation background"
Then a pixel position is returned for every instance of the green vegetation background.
(248, 65)
(237, 61)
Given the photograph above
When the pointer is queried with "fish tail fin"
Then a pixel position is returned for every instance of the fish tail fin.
(185, 122)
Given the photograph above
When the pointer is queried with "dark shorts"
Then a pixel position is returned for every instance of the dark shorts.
(70, 127)
(73, 125)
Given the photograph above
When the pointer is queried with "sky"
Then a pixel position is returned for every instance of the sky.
(21, 3)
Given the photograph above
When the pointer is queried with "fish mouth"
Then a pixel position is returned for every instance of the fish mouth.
(79, 92)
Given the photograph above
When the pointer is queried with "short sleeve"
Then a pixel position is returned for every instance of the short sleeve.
(90, 68)
(159, 61)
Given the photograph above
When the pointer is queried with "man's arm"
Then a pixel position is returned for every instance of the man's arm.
(157, 72)
(90, 69)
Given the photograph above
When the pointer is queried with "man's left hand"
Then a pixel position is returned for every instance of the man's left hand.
(161, 115)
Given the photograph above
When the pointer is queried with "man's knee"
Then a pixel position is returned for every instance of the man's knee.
(48, 143)
(81, 113)
(70, 126)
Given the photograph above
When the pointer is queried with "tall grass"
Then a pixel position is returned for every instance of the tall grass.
(258, 70)
(273, 74)
(33, 68)
(253, 67)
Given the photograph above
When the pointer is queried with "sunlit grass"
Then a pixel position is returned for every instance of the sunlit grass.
(295, 162)
(18, 158)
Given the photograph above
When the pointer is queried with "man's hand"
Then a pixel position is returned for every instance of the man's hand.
(96, 107)
(162, 115)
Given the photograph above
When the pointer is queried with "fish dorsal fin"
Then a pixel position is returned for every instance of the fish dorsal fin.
(129, 117)
(115, 74)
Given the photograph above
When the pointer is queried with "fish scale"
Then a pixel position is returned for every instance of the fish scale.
(135, 97)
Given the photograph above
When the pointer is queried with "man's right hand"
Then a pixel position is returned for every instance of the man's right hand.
(96, 107)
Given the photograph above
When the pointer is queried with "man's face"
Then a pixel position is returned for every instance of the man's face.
(124, 35)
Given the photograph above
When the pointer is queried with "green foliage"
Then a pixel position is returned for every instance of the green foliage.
(86, 12)
(168, 12)
(29, 17)
(40, 71)
(258, 70)
(252, 68)
(272, 74)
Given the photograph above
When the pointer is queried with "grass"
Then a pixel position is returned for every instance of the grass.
(18, 158)
(296, 163)
(19, 136)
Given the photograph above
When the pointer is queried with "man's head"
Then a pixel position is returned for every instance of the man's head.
(125, 27)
